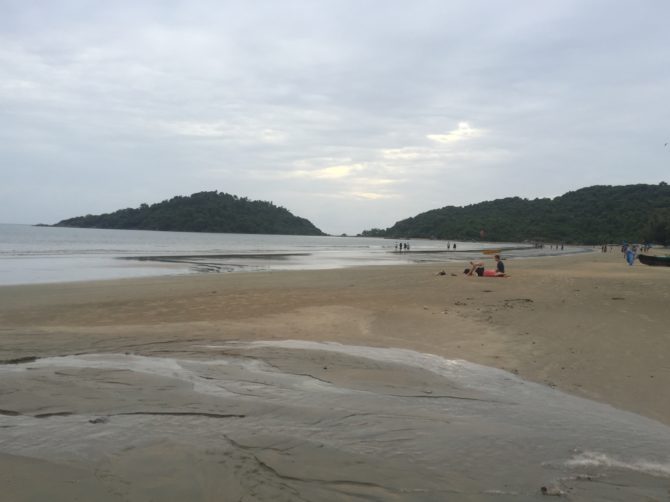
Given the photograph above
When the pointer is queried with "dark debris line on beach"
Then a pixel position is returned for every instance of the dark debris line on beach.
(20, 360)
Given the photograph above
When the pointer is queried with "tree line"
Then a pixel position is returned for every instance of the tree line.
(592, 215)
(202, 212)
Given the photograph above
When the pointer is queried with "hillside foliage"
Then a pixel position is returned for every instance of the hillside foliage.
(592, 215)
(202, 212)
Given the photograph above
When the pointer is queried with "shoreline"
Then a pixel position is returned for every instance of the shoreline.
(95, 268)
(590, 326)
(33, 256)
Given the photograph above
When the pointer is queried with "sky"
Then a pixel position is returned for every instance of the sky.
(352, 114)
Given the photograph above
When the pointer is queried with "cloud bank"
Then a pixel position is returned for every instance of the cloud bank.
(351, 114)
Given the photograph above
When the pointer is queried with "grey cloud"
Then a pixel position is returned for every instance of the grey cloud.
(129, 102)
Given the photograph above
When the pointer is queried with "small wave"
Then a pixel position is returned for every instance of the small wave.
(596, 459)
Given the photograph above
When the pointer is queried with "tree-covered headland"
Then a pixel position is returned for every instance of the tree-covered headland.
(202, 212)
(592, 215)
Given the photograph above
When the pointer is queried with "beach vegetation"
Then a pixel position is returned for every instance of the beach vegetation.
(202, 212)
(657, 228)
(592, 215)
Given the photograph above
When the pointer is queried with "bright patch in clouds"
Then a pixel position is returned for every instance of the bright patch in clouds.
(242, 133)
(411, 154)
(371, 195)
(463, 131)
(403, 154)
(378, 181)
(333, 172)
(196, 129)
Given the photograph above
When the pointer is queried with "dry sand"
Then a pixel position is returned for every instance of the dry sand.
(587, 324)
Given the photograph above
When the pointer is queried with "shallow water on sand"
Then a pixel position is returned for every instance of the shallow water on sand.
(48, 254)
(316, 421)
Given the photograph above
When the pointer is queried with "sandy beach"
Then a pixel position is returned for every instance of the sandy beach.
(586, 324)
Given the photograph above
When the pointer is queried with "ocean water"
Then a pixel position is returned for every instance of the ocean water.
(30, 254)
(292, 420)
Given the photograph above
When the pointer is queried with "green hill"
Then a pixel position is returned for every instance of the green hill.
(202, 212)
(592, 215)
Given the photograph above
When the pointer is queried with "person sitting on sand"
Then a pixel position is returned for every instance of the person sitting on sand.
(500, 266)
(477, 268)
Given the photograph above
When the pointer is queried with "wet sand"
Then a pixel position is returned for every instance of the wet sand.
(585, 324)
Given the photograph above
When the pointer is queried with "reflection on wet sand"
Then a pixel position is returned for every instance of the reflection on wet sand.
(312, 421)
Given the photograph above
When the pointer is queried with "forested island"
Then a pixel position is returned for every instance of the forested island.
(592, 215)
(202, 212)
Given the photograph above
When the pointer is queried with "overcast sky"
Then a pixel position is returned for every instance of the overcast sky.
(353, 114)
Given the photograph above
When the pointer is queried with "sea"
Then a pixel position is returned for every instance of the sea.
(39, 254)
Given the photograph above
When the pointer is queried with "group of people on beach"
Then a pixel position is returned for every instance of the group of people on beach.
(477, 268)
(401, 246)
(540, 245)
(630, 251)
(627, 249)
